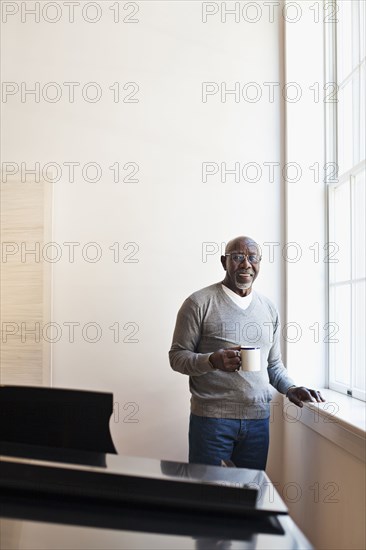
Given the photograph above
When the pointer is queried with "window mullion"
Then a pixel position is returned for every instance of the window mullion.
(353, 336)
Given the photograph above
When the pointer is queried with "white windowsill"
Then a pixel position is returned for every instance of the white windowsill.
(341, 419)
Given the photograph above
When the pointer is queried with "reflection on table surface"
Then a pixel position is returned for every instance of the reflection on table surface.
(268, 498)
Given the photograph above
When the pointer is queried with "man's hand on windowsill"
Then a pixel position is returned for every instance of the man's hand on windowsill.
(298, 394)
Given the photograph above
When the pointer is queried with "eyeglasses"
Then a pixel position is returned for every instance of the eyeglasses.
(239, 258)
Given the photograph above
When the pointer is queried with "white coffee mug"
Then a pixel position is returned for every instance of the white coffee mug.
(250, 358)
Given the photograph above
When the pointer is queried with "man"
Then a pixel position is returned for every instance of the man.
(230, 408)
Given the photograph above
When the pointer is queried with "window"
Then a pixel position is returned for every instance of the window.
(345, 177)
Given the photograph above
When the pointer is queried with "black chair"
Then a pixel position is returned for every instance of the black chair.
(53, 417)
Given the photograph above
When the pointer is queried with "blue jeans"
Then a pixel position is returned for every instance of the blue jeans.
(245, 442)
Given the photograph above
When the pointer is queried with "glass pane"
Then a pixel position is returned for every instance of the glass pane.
(362, 114)
(340, 334)
(344, 40)
(359, 226)
(345, 127)
(359, 336)
(362, 20)
(339, 253)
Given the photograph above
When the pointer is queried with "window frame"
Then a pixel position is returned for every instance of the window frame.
(331, 122)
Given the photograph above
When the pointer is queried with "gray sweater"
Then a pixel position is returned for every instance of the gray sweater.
(208, 321)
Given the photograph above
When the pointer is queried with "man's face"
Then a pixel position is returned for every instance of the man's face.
(241, 272)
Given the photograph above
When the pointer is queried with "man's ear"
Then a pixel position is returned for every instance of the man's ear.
(223, 261)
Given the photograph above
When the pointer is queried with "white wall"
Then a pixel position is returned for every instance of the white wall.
(324, 486)
(170, 212)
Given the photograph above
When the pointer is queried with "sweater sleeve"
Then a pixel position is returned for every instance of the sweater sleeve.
(182, 355)
(276, 370)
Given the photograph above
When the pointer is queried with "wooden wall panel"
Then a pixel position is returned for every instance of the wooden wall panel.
(26, 216)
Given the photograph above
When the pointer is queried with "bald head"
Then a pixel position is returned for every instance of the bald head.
(238, 241)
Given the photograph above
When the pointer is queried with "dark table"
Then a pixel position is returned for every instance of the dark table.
(64, 499)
